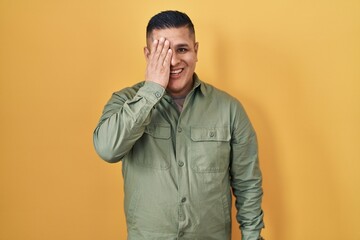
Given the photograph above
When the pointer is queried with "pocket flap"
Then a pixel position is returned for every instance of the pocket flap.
(159, 131)
(199, 134)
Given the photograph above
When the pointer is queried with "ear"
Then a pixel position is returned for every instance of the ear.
(196, 48)
(146, 53)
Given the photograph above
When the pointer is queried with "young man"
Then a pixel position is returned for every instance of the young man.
(184, 145)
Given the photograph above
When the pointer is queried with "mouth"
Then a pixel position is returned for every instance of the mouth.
(175, 73)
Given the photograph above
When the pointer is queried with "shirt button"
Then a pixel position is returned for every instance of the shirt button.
(179, 129)
(181, 234)
(183, 199)
(212, 134)
(157, 94)
(181, 164)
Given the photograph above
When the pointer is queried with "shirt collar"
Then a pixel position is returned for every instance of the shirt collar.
(199, 84)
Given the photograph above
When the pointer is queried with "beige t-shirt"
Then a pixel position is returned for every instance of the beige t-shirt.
(179, 102)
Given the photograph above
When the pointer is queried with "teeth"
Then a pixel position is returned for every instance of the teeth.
(176, 71)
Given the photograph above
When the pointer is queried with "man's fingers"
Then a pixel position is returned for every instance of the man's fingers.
(153, 48)
(158, 64)
(158, 49)
(164, 51)
(167, 58)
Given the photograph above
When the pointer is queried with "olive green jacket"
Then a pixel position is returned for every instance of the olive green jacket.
(180, 168)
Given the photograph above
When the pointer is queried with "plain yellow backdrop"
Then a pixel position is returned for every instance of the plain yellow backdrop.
(295, 66)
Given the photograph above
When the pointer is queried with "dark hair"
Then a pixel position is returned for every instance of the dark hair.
(169, 19)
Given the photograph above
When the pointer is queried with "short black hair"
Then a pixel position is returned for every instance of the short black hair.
(169, 19)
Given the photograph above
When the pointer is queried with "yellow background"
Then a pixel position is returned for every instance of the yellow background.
(295, 65)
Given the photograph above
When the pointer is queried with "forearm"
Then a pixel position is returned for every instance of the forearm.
(124, 120)
(248, 203)
(246, 180)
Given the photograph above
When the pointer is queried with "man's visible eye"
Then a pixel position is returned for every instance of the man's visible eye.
(182, 50)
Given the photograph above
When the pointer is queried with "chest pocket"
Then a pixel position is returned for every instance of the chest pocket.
(210, 149)
(152, 150)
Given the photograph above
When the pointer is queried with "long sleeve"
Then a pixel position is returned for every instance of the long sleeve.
(246, 179)
(124, 119)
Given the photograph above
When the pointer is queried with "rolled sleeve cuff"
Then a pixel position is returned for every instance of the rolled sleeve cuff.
(251, 235)
(152, 92)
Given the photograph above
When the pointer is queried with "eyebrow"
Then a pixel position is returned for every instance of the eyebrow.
(181, 45)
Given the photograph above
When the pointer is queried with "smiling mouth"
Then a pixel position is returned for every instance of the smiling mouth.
(176, 72)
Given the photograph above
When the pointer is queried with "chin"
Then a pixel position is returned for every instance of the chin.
(175, 83)
(173, 89)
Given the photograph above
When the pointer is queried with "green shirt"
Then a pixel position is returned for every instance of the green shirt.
(179, 167)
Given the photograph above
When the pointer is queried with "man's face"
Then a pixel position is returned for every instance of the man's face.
(183, 60)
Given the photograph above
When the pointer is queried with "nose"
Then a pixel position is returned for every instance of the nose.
(174, 59)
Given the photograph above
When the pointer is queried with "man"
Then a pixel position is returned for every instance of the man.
(184, 145)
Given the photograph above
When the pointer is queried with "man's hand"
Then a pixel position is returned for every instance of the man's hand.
(158, 62)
